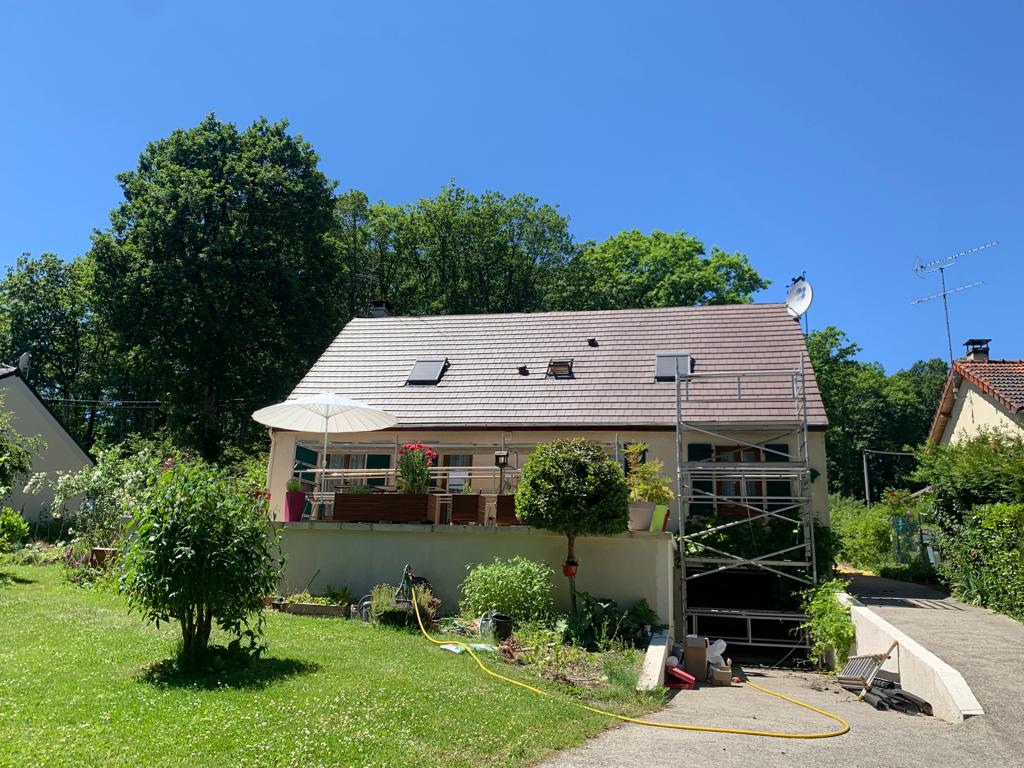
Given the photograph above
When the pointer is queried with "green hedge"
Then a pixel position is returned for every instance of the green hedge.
(983, 557)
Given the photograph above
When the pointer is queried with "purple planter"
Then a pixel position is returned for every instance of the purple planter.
(294, 504)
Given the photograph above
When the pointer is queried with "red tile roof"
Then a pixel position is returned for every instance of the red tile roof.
(1002, 380)
(613, 383)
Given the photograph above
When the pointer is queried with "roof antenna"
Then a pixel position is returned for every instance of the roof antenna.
(799, 299)
(940, 265)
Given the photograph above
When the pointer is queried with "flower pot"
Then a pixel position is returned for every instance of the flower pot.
(505, 510)
(467, 508)
(569, 569)
(294, 505)
(640, 514)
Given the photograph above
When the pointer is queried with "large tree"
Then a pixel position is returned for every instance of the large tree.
(869, 410)
(218, 275)
(46, 310)
(662, 269)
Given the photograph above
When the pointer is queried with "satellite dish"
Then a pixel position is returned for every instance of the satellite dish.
(24, 362)
(799, 299)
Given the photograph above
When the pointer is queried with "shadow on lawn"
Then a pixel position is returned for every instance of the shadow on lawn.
(223, 669)
(6, 579)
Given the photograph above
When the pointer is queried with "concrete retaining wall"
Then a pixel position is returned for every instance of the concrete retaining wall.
(624, 568)
(921, 672)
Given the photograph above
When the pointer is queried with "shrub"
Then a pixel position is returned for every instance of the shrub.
(518, 587)
(645, 480)
(414, 460)
(13, 529)
(983, 557)
(828, 622)
(387, 611)
(574, 488)
(864, 533)
(201, 553)
(16, 452)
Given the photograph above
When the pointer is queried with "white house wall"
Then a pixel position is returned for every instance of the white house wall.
(974, 411)
(60, 454)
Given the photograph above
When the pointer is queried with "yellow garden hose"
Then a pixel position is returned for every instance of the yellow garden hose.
(653, 724)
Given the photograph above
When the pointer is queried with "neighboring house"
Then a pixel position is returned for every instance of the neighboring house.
(980, 393)
(471, 385)
(31, 417)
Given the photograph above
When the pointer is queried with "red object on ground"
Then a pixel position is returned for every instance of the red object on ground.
(569, 569)
(679, 679)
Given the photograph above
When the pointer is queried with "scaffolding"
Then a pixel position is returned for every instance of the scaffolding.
(735, 492)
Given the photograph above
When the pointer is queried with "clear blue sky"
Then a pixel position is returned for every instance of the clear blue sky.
(844, 139)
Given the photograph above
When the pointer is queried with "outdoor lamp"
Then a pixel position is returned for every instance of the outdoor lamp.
(501, 459)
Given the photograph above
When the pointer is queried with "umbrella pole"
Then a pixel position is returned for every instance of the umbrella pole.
(323, 471)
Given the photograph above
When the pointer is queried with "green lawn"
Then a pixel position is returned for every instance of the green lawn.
(74, 691)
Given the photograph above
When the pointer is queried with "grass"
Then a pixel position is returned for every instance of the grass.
(83, 683)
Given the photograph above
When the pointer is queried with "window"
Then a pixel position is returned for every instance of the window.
(428, 371)
(456, 479)
(746, 493)
(665, 364)
(560, 368)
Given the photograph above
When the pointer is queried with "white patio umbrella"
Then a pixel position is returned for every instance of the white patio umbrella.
(327, 412)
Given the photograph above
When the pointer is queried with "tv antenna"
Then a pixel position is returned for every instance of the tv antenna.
(940, 266)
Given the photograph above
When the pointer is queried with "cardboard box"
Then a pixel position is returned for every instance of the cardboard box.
(696, 662)
(721, 676)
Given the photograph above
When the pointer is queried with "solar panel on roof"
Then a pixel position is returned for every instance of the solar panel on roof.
(665, 365)
(428, 371)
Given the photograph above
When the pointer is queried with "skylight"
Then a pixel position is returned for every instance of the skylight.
(665, 365)
(428, 371)
(560, 368)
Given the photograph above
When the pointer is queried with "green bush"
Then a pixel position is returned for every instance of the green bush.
(983, 557)
(13, 529)
(828, 625)
(864, 533)
(202, 553)
(517, 587)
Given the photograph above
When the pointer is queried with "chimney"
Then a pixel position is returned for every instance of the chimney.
(977, 350)
(380, 308)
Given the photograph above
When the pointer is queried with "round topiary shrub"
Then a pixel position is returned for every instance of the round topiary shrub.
(517, 587)
(574, 488)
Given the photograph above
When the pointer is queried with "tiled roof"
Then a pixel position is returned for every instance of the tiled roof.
(6, 370)
(613, 383)
(1002, 379)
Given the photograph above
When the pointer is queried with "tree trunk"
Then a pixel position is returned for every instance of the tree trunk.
(571, 558)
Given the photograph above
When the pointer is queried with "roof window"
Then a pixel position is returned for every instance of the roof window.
(428, 371)
(560, 368)
(665, 365)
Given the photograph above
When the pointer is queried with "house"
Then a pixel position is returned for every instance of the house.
(483, 390)
(60, 452)
(471, 385)
(980, 393)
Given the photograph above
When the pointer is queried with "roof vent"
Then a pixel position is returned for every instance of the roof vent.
(381, 308)
(560, 368)
(977, 350)
(667, 363)
(428, 371)
(524, 370)
(592, 342)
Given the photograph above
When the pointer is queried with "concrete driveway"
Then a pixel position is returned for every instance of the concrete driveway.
(987, 649)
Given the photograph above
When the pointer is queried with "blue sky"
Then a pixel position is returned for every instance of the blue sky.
(844, 139)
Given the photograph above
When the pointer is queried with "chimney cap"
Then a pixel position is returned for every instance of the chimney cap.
(977, 343)
(380, 308)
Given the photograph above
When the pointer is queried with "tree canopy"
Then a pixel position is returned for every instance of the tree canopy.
(217, 274)
(868, 409)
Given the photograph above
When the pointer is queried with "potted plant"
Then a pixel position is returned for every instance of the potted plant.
(294, 501)
(410, 505)
(647, 487)
(467, 506)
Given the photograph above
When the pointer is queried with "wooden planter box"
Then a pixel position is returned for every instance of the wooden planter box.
(505, 510)
(101, 557)
(467, 508)
(315, 609)
(383, 508)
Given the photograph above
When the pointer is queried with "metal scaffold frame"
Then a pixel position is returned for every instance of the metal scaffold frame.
(699, 559)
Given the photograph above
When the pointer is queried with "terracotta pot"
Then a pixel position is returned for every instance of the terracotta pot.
(569, 569)
(294, 504)
(640, 514)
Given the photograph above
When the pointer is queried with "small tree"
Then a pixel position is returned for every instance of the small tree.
(201, 554)
(574, 488)
(16, 452)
